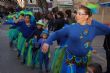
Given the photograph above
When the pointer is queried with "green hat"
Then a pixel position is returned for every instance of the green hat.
(40, 22)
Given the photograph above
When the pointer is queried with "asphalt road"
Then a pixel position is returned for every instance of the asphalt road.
(8, 60)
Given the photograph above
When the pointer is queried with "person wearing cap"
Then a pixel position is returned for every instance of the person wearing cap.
(25, 28)
(37, 30)
(32, 44)
(44, 57)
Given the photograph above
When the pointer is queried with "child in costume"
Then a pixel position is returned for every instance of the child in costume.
(32, 43)
(13, 32)
(44, 57)
(25, 30)
(35, 48)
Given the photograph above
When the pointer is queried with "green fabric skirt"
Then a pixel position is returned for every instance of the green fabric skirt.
(13, 34)
(57, 60)
(29, 55)
(21, 42)
(89, 57)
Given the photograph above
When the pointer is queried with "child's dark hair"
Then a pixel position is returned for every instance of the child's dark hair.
(28, 15)
(96, 67)
(22, 14)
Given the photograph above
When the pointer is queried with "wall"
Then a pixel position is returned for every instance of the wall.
(103, 17)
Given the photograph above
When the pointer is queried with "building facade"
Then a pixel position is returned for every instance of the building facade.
(36, 5)
(7, 6)
(63, 4)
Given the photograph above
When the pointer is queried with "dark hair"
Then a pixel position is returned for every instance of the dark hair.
(55, 10)
(45, 16)
(68, 12)
(22, 14)
(61, 14)
(28, 16)
(87, 10)
(97, 67)
(74, 11)
(38, 15)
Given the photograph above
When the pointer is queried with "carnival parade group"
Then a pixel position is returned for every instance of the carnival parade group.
(28, 34)
(32, 34)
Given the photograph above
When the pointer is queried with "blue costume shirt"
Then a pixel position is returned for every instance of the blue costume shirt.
(79, 37)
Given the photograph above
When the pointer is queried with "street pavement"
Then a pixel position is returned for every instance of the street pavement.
(10, 64)
(8, 60)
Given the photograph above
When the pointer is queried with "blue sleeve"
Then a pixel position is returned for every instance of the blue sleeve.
(101, 29)
(9, 22)
(57, 34)
(20, 23)
(39, 41)
(31, 35)
(91, 48)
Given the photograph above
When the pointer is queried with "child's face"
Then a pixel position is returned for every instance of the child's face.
(21, 17)
(35, 36)
(44, 36)
(39, 26)
(27, 19)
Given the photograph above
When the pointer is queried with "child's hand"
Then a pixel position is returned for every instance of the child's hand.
(45, 48)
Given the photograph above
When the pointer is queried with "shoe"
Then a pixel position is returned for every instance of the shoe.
(11, 44)
(47, 71)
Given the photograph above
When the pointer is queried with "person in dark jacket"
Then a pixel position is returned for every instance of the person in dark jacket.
(106, 46)
(69, 18)
(60, 21)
